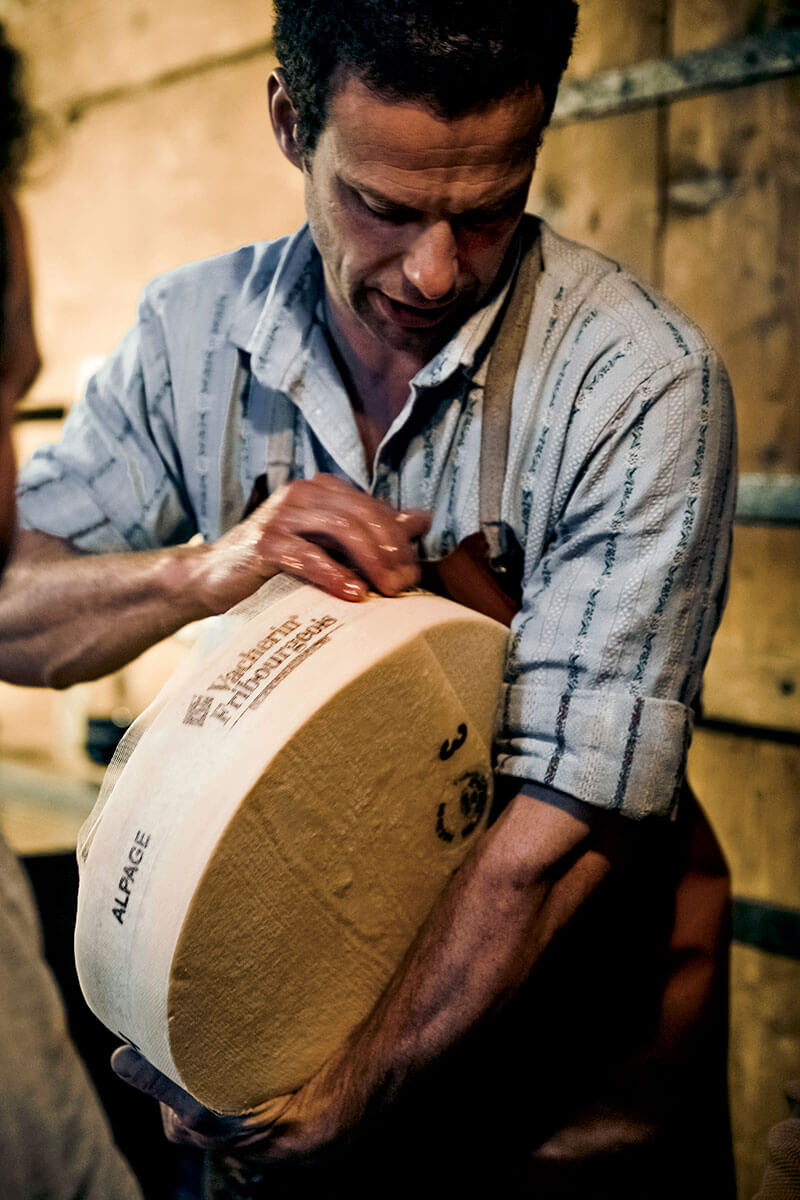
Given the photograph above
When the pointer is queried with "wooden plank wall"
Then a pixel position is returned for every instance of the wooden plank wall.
(154, 148)
(702, 197)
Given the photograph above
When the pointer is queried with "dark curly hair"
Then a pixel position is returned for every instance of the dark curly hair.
(454, 55)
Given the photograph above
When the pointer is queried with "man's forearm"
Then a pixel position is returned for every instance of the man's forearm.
(528, 875)
(67, 617)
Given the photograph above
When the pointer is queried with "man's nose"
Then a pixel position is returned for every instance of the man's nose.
(431, 261)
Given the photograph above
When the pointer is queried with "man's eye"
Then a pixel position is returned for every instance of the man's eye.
(477, 222)
(482, 220)
(395, 216)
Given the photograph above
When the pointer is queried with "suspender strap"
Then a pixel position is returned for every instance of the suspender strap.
(498, 392)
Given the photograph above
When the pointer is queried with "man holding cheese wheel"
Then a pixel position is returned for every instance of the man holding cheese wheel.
(319, 405)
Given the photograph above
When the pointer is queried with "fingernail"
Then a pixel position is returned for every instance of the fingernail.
(404, 515)
(353, 591)
(125, 1061)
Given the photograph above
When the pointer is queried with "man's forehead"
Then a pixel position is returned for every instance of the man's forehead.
(364, 123)
(378, 143)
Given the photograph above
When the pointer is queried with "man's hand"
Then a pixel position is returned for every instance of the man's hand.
(289, 1128)
(67, 616)
(321, 530)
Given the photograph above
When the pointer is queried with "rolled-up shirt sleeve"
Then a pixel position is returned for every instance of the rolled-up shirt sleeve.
(618, 613)
(114, 481)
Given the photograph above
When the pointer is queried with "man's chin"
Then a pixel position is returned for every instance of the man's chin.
(404, 328)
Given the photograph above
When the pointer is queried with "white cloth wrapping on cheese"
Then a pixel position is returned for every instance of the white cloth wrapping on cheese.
(277, 825)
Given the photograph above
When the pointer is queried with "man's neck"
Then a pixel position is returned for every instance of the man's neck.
(377, 377)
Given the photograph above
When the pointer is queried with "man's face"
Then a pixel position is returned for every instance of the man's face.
(19, 359)
(413, 214)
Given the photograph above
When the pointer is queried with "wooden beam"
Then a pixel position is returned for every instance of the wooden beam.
(747, 61)
(768, 500)
(770, 927)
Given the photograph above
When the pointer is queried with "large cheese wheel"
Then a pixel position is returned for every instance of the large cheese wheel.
(276, 828)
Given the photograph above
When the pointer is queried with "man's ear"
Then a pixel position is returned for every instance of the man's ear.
(283, 115)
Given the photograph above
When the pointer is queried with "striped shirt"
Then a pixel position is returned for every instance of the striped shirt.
(620, 484)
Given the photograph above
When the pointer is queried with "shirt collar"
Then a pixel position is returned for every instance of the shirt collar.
(275, 330)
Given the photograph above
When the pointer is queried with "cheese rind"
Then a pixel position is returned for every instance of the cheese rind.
(296, 803)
